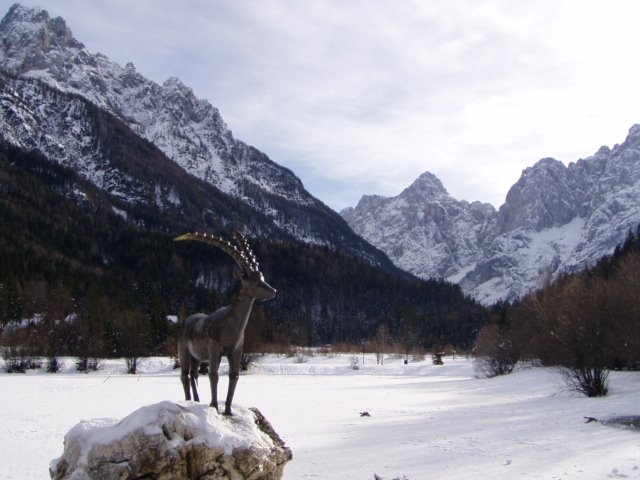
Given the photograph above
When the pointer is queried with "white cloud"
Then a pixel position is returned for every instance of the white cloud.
(361, 97)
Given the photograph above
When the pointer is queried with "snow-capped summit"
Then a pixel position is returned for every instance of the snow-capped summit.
(555, 219)
(529, 206)
(49, 83)
(423, 230)
(28, 34)
(190, 131)
(427, 185)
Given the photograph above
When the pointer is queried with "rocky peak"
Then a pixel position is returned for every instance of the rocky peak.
(626, 156)
(603, 151)
(634, 134)
(181, 100)
(20, 19)
(33, 32)
(367, 206)
(426, 186)
(175, 84)
(370, 201)
(423, 229)
(543, 197)
(187, 130)
(543, 167)
(190, 131)
(130, 78)
(555, 219)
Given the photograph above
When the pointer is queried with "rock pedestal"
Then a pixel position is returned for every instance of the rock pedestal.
(173, 440)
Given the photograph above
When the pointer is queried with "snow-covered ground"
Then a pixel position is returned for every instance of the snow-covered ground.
(426, 421)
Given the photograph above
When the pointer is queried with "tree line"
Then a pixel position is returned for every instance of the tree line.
(586, 323)
(95, 282)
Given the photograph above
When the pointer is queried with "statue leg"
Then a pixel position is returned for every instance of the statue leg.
(193, 373)
(185, 366)
(214, 363)
(234, 374)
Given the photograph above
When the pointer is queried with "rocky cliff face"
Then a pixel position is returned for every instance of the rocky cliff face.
(49, 83)
(190, 131)
(424, 230)
(555, 219)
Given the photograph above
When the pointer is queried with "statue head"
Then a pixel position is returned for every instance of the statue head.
(253, 282)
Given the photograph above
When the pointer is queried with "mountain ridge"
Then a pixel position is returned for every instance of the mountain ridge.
(555, 219)
(73, 249)
(37, 50)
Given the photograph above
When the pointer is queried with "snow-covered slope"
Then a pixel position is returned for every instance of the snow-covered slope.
(555, 219)
(188, 130)
(47, 77)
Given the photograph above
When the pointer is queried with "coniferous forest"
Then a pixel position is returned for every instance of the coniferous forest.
(84, 273)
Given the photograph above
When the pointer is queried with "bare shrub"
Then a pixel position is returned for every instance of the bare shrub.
(86, 364)
(590, 381)
(18, 359)
(573, 324)
(132, 327)
(380, 343)
(14, 360)
(53, 364)
(248, 359)
(495, 352)
(132, 364)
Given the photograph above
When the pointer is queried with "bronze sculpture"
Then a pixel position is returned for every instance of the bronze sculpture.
(206, 337)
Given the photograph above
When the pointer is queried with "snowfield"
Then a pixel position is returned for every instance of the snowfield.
(426, 421)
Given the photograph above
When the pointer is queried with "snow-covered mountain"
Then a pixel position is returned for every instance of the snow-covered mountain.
(424, 230)
(555, 219)
(190, 131)
(46, 79)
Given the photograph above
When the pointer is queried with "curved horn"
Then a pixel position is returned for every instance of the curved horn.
(246, 249)
(241, 258)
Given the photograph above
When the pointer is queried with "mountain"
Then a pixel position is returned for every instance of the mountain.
(69, 249)
(101, 168)
(50, 86)
(424, 230)
(555, 219)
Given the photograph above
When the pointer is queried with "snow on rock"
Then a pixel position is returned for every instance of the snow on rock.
(555, 219)
(188, 130)
(423, 230)
(172, 440)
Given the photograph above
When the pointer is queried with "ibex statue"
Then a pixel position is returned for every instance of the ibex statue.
(205, 338)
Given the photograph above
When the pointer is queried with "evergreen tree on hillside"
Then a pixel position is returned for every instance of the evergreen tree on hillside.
(71, 251)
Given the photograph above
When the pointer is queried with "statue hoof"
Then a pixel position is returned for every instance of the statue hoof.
(213, 405)
(228, 412)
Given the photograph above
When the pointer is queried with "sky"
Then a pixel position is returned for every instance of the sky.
(361, 97)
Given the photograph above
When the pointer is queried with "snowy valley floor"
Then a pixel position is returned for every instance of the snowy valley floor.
(427, 422)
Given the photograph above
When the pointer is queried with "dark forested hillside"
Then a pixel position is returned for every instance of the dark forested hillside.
(111, 268)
